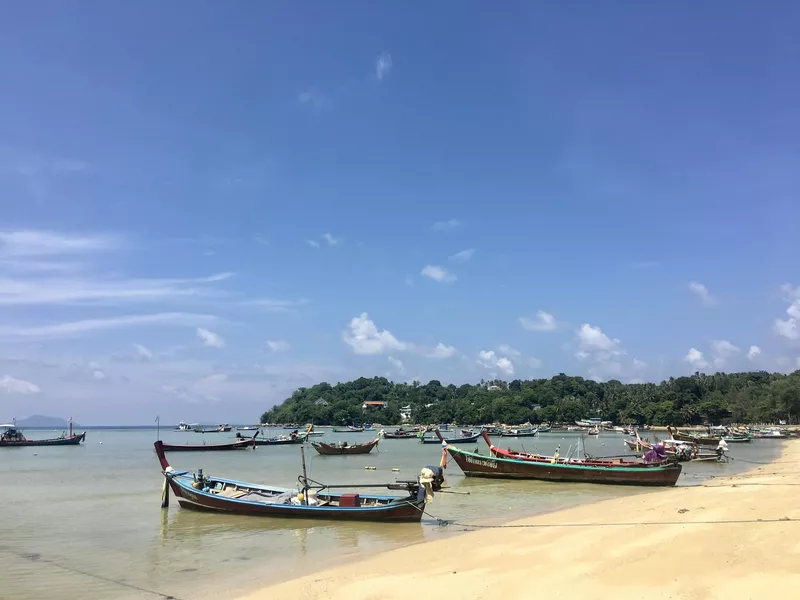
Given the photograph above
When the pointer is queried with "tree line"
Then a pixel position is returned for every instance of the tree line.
(753, 397)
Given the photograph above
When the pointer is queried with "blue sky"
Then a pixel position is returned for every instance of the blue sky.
(207, 205)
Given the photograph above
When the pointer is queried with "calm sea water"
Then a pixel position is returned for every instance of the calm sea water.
(85, 522)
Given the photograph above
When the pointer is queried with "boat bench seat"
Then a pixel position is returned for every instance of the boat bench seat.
(233, 493)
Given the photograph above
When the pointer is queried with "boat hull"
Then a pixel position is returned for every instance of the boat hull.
(336, 450)
(74, 440)
(477, 465)
(242, 445)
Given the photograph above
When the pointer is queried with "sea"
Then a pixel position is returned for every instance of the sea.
(86, 522)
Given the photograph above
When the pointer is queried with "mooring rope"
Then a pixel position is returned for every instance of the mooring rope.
(37, 558)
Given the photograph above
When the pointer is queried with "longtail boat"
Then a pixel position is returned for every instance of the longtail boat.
(528, 432)
(506, 464)
(462, 440)
(283, 440)
(314, 501)
(12, 437)
(681, 450)
(237, 445)
(401, 434)
(345, 448)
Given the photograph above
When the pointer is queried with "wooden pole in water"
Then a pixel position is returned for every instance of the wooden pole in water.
(305, 477)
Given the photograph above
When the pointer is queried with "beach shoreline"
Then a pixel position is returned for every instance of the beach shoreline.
(725, 539)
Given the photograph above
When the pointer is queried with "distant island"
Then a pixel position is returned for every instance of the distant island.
(753, 397)
(45, 422)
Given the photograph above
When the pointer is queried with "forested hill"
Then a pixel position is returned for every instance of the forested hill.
(756, 397)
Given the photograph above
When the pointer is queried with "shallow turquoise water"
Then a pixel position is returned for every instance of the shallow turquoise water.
(85, 522)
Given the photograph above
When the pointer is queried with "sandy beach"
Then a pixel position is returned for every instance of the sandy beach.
(729, 539)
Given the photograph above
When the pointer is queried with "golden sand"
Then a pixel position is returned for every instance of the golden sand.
(687, 543)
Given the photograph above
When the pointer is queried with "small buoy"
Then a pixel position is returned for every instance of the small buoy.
(101, 443)
(36, 454)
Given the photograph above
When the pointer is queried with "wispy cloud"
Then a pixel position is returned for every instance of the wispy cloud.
(84, 290)
(313, 243)
(383, 65)
(437, 273)
(543, 322)
(645, 264)
(446, 225)
(274, 305)
(77, 328)
(29, 243)
(209, 338)
(313, 98)
(332, 241)
(463, 255)
(278, 345)
(143, 353)
(702, 292)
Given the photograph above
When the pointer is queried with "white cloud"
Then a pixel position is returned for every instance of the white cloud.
(142, 352)
(442, 351)
(210, 339)
(506, 349)
(696, 359)
(543, 322)
(753, 352)
(278, 345)
(639, 364)
(604, 354)
(438, 274)
(722, 351)
(332, 241)
(490, 360)
(10, 385)
(788, 328)
(98, 375)
(702, 292)
(261, 240)
(533, 362)
(364, 337)
(397, 364)
(592, 339)
(463, 255)
(27, 243)
(74, 328)
(313, 243)
(383, 65)
(446, 225)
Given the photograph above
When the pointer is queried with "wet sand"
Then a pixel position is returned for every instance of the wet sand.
(727, 539)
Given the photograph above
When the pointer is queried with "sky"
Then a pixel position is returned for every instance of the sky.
(205, 205)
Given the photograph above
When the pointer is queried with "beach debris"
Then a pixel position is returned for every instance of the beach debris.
(683, 510)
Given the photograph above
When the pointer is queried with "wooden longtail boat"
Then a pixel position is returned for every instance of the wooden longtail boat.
(401, 434)
(345, 448)
(238, 445)
(200, 492)
(462, 440)
(510, 465)
(12, 437)
(519, 432)
(283, 440)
